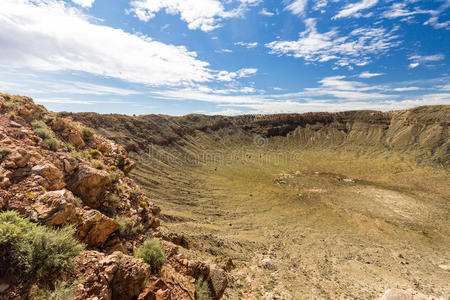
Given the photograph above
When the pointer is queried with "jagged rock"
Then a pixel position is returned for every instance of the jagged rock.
(55, 208)
(50, 178)
(157, 290)
(17, 159)
(196, 269)
(68, 132)
(130, 275)
(115, 276)
(90, 184)
(180, 286)
(95, 228)
(128, 166)
(219, 281)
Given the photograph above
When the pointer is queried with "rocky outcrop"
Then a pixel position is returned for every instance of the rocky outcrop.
(55, 208)
(396, 294)
(95, 228)
(49, 176)
(69, 132)
(110, 277)
(90, 184)
(219, 281)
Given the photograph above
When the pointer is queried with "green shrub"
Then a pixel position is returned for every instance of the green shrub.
(38, 124)
(152, 253)
(87, 133)
(98, 164)
(112, 199)
(76, 155)
(62, 291)
(31, 196)
(78, 202)
(95, 153)
(202, 291)
(43, 133)
(52, 143)
(33, 250)
(127, 229)
(70, 147)
(135, 193)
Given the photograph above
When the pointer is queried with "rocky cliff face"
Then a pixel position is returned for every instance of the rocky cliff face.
(423, 131)
(57, 172)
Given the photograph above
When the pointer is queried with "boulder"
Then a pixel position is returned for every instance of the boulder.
(95, 228)
(55, 208)
(90, 184)
(132, 272)
(17, 159)
(106, 277)
(50, 177)
(69, 132)
(219, 281)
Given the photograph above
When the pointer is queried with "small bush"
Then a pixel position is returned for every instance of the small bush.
(127, 228)
(87, 133)
(34, 250)
(70, 147)
(113, 176)
(202, 291)
(135, 193)
(112, 199)
(62, 291)
(143, 204)
(38, 124)
(31, 196)
(78, 202)
(76, 155)
(52, 143)
(112, 167)
(43, 133)
(98, 164)
(152, 253)
(95, 153)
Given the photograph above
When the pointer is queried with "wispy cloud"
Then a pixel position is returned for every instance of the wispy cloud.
(265, 12)
(353, 9)
(241, 73)
(369, 75)
(420, 60)
(84, 3)
(297, 7)
(247, 45)
(354, 48)
(205, 15)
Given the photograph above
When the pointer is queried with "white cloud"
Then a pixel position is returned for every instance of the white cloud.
(205, 15)
(247, 45)
(419, 60)
(353, 9)
(369, 75)
(53, 37)
(230, 76)
(84, 3)
(406, 89)
(297, 7)
(265, 12)
(354, 48)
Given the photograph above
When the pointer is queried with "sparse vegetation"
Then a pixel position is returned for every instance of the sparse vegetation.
(202, 291)
(78, 201)
(88, 134)
(70, 147)
(38, 124)
(95, 153)
(98, 164)
(63, 290)
(43, 133)
(33, 250)
(152, 253)
(127, 228)
(52, 143)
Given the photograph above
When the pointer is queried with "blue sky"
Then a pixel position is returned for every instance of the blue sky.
(226, 56)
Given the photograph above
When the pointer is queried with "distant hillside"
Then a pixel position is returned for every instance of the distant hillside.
(422, 130)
